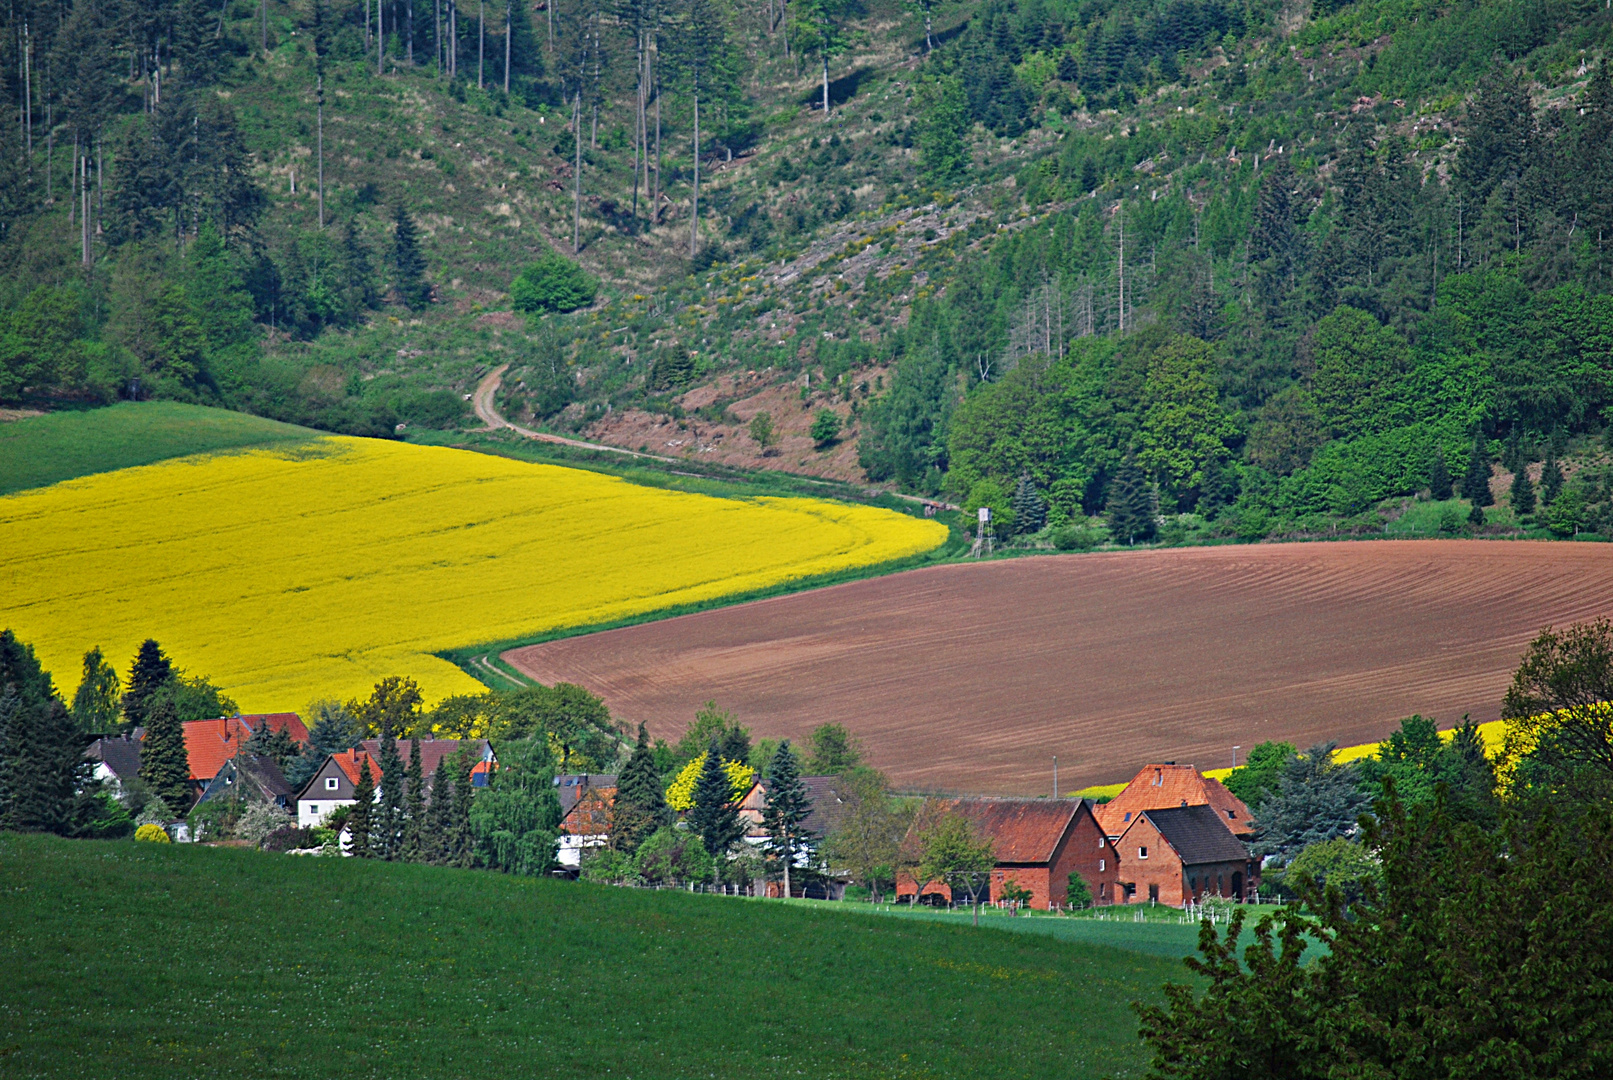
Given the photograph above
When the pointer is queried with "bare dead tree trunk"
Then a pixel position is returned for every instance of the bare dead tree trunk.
(509, 32)
(694, 205)
(481, 41)
(576, 193)
(321, 97)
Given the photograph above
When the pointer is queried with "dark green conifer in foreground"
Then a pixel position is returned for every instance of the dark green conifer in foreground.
(363, 814)
(386, 834)
(787, 808)
(640, 807)
(408, 262)
(151, 671)
(1523, 492)
(1476, 483)
(1131, 505)
(713, 816)
(164, 762)
(412, 848)
(1030, 511)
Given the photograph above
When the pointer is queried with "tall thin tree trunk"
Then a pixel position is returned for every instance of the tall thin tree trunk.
(656, 203)
(1122, 312)
(436, 38)
(263, 21)
(366, 25)
(408, 48)
(72, 204)
(321, 92)
(481, 41)
(380, 39)
(694, 205)
(638, 121)
(576, 191)
(509, 32)
(28, 92)
(826, 86)
(84, 200)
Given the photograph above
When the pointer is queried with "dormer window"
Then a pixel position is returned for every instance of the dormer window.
(1159, 777)
(1232, 813)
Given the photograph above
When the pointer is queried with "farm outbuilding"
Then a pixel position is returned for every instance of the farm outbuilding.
(1038, 843)
(1177, 854)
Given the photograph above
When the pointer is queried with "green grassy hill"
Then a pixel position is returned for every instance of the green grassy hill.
(150, 960)
(42, 450)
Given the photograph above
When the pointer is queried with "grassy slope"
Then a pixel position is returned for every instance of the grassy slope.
(161, 961)
(47, 449)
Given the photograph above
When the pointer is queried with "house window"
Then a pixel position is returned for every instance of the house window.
(1128, 816)
(1100, 866)
(330, 783)
(1142, 853)
(313, 808)
(1159, 777)
(1232, 813)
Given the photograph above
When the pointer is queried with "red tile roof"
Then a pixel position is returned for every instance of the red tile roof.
(210, 743)
(1159, 787)
(351, 762)
(1021, 830)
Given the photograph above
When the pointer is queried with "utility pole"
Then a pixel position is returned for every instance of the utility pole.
(1235, 750)
(1055, 776)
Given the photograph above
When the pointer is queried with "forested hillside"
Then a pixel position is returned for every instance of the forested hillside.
(1243, 265)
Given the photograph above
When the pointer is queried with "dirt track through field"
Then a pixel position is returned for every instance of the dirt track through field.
(971, 677)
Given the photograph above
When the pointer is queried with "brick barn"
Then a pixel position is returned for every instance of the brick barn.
(1176, 854)
(1038, 844)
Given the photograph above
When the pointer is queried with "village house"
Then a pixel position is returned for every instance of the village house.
(333, 784)
(210, 743)
(585, 805)
(828, 808)
(1156, 787)
(117, 760)
(1038, 844)
(250, 778)
(1176, 854)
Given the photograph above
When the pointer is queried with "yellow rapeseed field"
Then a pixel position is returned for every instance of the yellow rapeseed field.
(291, 575)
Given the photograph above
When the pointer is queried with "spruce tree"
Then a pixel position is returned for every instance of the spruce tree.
(459, 848)
(1030, 512)
(787, 807)
(1523, 492)
(434, 837)
(1439, 477)
(334, 731)
(164, 763)
(1551, 480)
(1130, 505)
(713, 816)
(409, 263)
(387, 832)
(1476, 483)
(414, 811)
(42, 766)
(96, 704)
(363, 815)
(640, 806)
(274, 744)
(151, 671)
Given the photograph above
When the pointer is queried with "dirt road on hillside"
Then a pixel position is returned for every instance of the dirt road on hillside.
(971, 677)
(487, 412)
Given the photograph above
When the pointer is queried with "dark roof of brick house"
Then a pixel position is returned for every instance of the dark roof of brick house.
(1198, 834)
(432, 752)
(1156, 787)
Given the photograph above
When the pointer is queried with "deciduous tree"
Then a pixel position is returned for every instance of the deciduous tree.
(96, 702)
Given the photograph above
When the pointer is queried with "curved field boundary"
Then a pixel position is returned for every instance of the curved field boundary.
(971, 677)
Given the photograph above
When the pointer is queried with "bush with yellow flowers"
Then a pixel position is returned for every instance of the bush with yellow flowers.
(152, 833)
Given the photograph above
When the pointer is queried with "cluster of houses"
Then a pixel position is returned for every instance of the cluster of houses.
(1172, 836)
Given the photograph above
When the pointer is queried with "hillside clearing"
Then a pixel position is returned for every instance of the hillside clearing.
(972, 677)
(398, 970)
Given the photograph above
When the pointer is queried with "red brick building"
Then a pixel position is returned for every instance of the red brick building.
(1156, 787)
(1038, 844)
(1175, 854)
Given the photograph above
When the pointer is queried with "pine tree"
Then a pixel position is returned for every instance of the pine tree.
(363, 814)
(787, 807)
(150, 672)
(713, 816)
(275, 744)
(640, 807)
(334, 731)
(1130, 506)
(164, 762)
(95, 705)
(387, 832)
(1523, 492)
(1439, 477)
(435, 839)
(459, 834)
(414, 819)
(1030, 512)
(1476, 483)
(1551, 480)
(409, 263)
(42, 766)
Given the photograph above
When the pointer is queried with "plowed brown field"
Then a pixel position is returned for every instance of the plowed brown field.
(971, 677)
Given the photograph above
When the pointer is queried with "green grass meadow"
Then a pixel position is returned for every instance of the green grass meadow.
(43, 450)
(140, 960)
